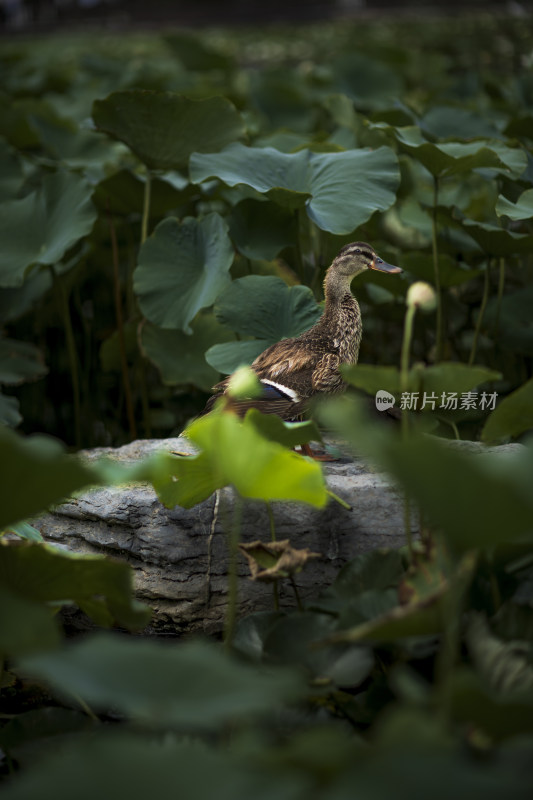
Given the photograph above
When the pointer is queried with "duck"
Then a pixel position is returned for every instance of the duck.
(294, 371)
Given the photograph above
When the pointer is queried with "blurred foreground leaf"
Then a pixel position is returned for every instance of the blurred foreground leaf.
(193, 685)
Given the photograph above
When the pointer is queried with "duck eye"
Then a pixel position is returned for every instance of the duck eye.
(358, 252)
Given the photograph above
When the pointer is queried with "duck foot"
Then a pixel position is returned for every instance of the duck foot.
(308, 451)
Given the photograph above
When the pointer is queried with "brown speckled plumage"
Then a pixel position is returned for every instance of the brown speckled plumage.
(297, 369)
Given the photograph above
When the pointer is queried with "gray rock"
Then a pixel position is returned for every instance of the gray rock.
(169, 548)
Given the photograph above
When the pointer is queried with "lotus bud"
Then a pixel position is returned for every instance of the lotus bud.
(421, 295)
(243, 384)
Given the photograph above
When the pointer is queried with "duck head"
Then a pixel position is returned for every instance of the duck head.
(357, 257)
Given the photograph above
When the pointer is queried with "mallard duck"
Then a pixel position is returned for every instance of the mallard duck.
(293, 371)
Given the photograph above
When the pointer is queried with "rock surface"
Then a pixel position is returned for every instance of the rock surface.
(168, 548)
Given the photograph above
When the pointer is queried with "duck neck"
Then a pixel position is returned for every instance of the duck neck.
(342, 316)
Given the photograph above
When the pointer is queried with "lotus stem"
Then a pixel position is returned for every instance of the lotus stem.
(72, 354)
(501, 285)
(275, 593)
(296, 593)
(233, 577)
(146, 206)
(404, 385)
(435, 249)
(479, 322)
(120, 327)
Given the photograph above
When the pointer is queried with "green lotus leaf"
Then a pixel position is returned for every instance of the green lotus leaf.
(195, 54)
(455, 122)
(17, 301)
(452, 158)
(512, 417)
(234, 452)
(118, 762)
(182, 268)
(264, 307)
(19, 362)
(9, 411)
(164, 128)
(260, 230)
(11, 172)
(522, 209)
(344, 189)
(179, 357)
(196, 684)
(283, 104)
(100, 586)
(510, 322)
(25, 626)
(451, 272)
(39, 462)
(368, 81)
(495, 240)
(492, 501)
(41, 227)
(227, 357)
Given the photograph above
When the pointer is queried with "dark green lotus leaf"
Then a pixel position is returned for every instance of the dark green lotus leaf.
(495, 240)
(195, 54)
(194, 685)
(25, 626)
(453, 158)
(451, 272)
(369, 82)
(264, 306)
(512, 417)
(228, 357)
(9, 411)
(522, 209)
(16, 119)
(179, 357)
(260, 230)
(182, 268)
(345, 188)
(451, 376)
(261, 306)
(76, 147)
(520, 126)
(281, 103)
(371, 378)
(290, 640)
(445, 377)
(501, 715)
(455, 122)
(490, 502)
(18, 301)
(42, 226)
(123, 193)
(117, 763)
(101, 587)
(163, 128)
(38, 462)
(290, 434)
(511, 323)
(19, 362)
(11, 172)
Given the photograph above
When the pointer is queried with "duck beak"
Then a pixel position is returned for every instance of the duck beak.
(382, 266)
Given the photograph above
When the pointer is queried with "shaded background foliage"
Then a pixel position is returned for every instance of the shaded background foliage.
(98, 341)
(152, 237)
